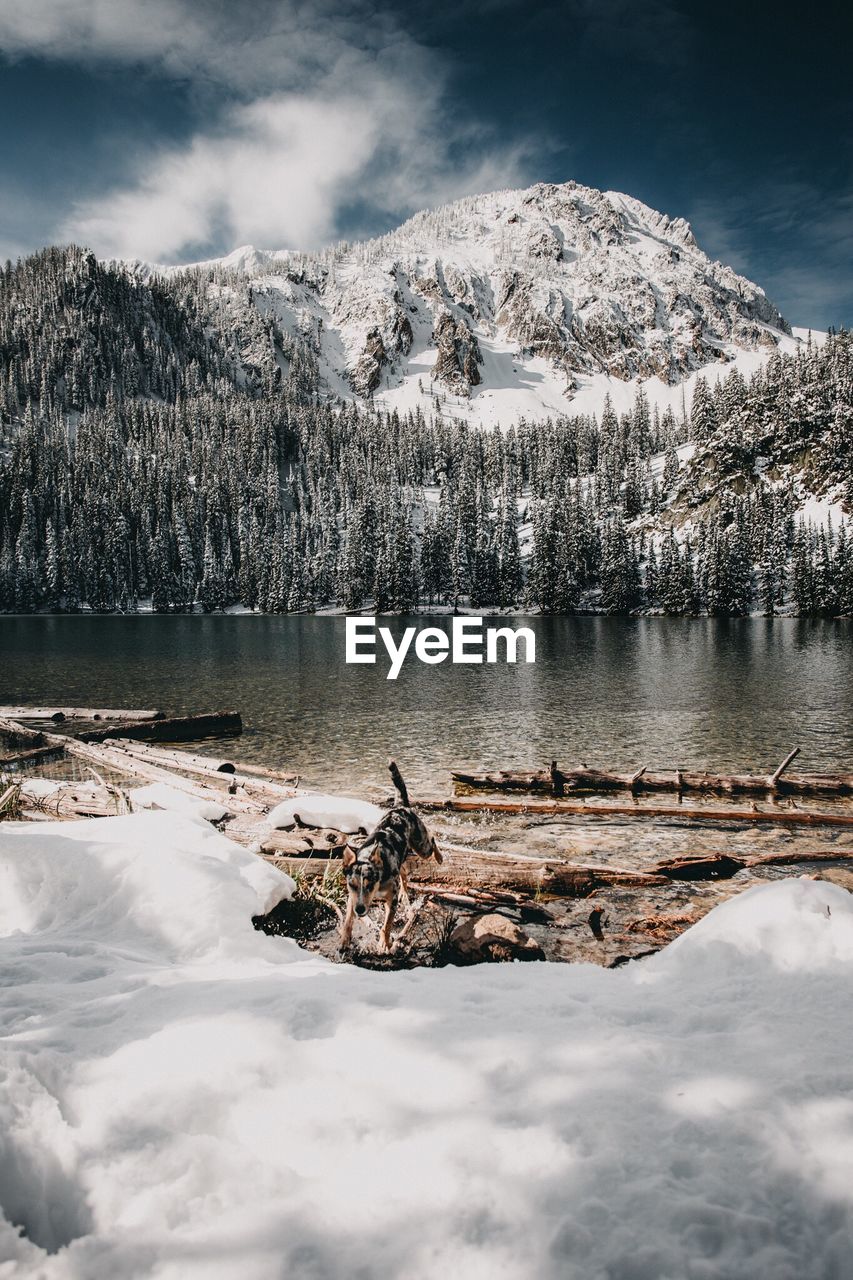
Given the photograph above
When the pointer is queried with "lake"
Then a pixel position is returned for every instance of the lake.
(723, 694)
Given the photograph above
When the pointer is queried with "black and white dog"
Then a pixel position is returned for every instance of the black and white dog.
(377, 868)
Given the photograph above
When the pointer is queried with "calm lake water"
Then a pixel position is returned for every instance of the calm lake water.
(614, 692)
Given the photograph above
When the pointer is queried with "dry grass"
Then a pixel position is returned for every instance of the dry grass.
(10, 800)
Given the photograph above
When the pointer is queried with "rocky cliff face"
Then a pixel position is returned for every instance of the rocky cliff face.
(534, 291)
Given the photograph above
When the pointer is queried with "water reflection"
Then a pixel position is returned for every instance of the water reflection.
(722, 694)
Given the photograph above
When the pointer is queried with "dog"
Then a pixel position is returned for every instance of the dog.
(377, 868)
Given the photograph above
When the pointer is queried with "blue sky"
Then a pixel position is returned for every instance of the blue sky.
(177, 129)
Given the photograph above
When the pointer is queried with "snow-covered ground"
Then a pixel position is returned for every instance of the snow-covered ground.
(515, 387)
(184, 1098)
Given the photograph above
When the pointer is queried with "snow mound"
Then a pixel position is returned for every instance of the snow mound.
(157, 795)
(797, 925)
(341, 813)
(185, 1098)
(170, 883)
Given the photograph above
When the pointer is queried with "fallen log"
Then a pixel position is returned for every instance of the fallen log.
(491, 871)
(186, 760)
(714, 866)
(789, 858)
(107, 757)
(783, 817)
(215, 771)
(217, 724)
(75, 801)
(33, 755)
(275, 775)
(58, 714)
(121, 762)
(722, 866)
(557, 782)
(485, 875)
(482, 901)
(21, 735)
(13, 729)
(304, 841)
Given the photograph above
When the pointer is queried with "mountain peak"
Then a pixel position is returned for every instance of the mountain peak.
(516, 302)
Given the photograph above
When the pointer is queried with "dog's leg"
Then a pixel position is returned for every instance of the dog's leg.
(349, 919)
(388, 922)
(404, 888)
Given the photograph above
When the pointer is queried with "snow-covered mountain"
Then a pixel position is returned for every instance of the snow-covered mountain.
(529, 302)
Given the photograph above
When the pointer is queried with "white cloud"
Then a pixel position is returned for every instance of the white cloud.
(308, 109)
(272, 174)
(276, 173)
(250, 46)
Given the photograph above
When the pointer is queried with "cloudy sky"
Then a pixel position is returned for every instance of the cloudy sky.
(176, 129)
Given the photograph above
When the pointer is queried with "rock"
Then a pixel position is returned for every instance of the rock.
(368, 371)
(493, 937)
(544, 243)
(458, 354)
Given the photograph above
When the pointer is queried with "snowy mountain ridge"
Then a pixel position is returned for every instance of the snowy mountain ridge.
(516, 303)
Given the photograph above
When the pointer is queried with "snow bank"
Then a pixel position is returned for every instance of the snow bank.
(186, 1099)
(786, 927)
(341, 813)
(170, 886)
(158, 795)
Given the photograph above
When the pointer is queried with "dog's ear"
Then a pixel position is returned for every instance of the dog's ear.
(376, 856)
(436, 852)
(348, 856)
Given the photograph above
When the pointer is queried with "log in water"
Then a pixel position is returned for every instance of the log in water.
(781, 817)
(557, 782)
(58, 714)
(216, 724)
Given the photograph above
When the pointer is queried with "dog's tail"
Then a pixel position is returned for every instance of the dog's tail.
(397, 779)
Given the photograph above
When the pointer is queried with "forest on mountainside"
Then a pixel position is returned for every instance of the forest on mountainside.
(161, 442)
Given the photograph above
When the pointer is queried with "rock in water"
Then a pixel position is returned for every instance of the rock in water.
(493, 937)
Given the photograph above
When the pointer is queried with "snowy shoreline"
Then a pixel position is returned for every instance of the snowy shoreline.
(425, 610)
(186, 1097)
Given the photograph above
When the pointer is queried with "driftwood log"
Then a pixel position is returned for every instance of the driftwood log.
(113, 758)
(167, 729)
(557, 782)
(75, 800)
(216, 724)
(465, 869)
(21, 736)
(219, 773)
(468, 872)
(33, 755)
(722, 866)
(58, 714)
(782, 817)
(304, 842)
(122, 762)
